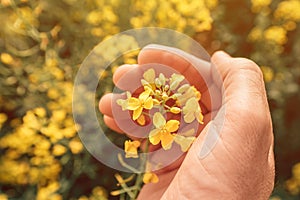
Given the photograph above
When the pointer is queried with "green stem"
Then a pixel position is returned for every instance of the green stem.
(139, 179)
(124, 164)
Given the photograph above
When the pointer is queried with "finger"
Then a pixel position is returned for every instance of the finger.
(128, 77)
(105, 105)
(108, 105)
(111, 123)
(195, 70)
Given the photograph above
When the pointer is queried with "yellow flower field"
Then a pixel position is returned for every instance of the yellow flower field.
(43, 43)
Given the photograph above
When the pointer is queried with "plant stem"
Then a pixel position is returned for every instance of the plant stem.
(124, 164)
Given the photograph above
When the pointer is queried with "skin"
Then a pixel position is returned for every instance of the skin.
(239, 164)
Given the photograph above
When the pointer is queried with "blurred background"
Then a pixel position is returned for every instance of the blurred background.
(43, 43)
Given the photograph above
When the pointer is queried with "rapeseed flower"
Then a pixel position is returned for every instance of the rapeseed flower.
(163, 130)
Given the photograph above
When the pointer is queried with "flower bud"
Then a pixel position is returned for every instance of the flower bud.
(175, 110)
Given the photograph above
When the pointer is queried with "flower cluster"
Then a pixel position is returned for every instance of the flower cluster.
(164, 95)
(162, 101)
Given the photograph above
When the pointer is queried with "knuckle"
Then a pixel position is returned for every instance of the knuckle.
(249, 65)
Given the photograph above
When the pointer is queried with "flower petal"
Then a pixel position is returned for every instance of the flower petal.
(141, 120)
(162, 79)
(154, 136)
(167, 140)
(136, 143)
(199, 117)
(137, 113)
(183, 88)
(123, 103)
(130, 148)
(133, 103)
(150, 178)
(172, 125)
(158, 120)
(148, 104)
(144, 95)
(149, 75)
(189, 117)
(184, 142)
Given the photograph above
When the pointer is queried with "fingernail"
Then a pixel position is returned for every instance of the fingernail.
(210, 141)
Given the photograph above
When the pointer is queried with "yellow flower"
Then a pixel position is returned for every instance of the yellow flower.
(149, 80)
(138, 104)
(40, 111)
(149, 76)
(3, 118)
(257, 5)
(268, 73)
(131, 148)
(59, 150)
(162, 131)
(124, 102)
(75, 146)
(175, 80)
(6, 58)
(288, 10)
(3, 197)
(292, 186)
(150, 178)
(255, 34)
(192, 111)
(296, 172)
(185, 92)
(99, 193)
(276, 34)
(160, 81)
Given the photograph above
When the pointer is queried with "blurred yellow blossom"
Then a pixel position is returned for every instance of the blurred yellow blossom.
(288, 10)
(296, 172)
(75, 146)
(94, 17)
(6, 58)
(59, 150)
(179, 15)
(3, 197)
(255, 34)
(53, 93)
(257, 5)
(267, 73)
(290, 25)
(99, 193)
(150, 177)
(276, 34)
(40, 111)
(3, 118)
(58, 115)
(48, 192)
(293, 186)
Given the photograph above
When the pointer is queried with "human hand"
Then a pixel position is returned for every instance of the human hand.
(240, 163)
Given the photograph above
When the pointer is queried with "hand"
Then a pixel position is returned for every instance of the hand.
(232, 158)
